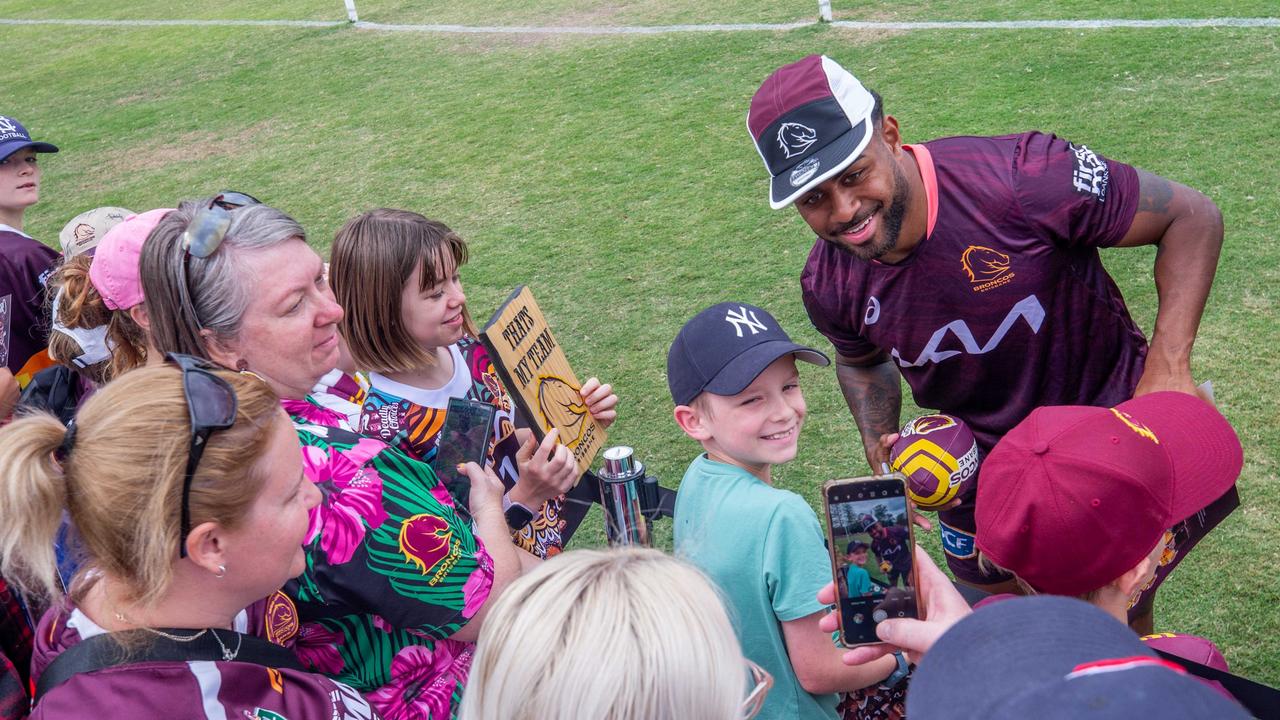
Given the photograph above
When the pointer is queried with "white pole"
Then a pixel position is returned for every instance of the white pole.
(351, 11)
(824, 10)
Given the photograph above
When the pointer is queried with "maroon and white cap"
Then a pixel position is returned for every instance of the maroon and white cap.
(809, 120)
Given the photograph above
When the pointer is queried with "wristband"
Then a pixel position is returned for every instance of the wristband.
(899, 674)
(517, 515)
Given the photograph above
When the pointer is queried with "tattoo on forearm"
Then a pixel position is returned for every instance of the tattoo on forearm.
(874, 397)
(1156, 195)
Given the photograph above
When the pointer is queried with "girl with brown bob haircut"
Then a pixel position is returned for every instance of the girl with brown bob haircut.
(395, 274)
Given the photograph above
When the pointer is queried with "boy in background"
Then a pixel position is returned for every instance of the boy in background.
(857, 579)
(732, 375)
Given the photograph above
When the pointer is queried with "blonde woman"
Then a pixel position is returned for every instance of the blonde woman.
(186, 486)
(613, 635)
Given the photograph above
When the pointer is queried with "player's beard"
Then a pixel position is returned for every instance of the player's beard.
(890, 223)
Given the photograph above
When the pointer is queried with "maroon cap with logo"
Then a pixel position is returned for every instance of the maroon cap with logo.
(809, 120)
(1074, 497)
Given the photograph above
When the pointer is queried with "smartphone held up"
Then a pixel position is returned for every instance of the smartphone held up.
(872, 546)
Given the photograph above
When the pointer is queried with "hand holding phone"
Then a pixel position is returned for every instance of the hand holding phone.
(468, 425)
(872, 547)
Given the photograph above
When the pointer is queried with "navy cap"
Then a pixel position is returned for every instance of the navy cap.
(14, 137)
(1053, 657)
(724, 348)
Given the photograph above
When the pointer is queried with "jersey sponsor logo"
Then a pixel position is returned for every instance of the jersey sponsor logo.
(1028, 309)
(795, 138)
(804, 171)
(263, 714)
(987, 269)
(1090, 176)
(957, 543)
(1134, 425)
(873, 311)
(744, 319)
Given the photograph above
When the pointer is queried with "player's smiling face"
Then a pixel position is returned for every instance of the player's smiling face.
(861, 209)
(760, 426)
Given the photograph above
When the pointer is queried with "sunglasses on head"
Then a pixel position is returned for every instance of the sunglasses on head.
(207, 230)
(211, 405)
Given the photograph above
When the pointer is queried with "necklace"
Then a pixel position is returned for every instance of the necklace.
(175, 638)
(227, 655)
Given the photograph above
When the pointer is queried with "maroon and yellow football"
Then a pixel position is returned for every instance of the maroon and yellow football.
(939, 456)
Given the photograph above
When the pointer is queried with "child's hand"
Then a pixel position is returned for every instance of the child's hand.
(546, 469)
(600, 401)
(486, 489)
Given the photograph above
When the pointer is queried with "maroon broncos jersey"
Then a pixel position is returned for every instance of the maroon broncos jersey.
(1004, 306)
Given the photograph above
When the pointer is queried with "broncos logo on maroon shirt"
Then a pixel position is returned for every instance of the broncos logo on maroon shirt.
(982, 263)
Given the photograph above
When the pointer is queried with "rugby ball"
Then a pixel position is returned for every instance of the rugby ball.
(939, 456)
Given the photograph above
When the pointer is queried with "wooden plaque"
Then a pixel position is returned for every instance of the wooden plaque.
(538, 377)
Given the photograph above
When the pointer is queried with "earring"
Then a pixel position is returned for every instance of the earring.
(242, 365)
(222, 572)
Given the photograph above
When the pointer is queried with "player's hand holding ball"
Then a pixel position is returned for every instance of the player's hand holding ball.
(939, 456)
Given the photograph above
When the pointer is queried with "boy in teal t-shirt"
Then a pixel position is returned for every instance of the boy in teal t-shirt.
(857, 579)
(733, 378)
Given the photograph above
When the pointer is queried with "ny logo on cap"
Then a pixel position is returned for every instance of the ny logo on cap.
(744, 318)
(795, 138)
(7, 126)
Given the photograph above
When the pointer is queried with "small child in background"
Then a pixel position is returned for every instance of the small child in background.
(25, 264)
(395, 274)
(857, 578)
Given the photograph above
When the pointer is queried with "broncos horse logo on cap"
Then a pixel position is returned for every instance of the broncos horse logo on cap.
(795, 139)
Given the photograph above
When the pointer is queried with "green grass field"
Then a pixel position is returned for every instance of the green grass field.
(615, 176)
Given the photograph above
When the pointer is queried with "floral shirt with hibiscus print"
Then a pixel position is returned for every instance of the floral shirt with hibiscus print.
(392, 571)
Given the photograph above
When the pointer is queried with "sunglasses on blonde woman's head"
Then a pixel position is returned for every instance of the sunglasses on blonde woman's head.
(761, 681)
(211, 406)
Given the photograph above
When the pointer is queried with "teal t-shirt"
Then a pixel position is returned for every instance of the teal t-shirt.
(859, 581)
(764, 548)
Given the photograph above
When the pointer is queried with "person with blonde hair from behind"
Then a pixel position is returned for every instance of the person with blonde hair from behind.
(627, 635)
(186, 486)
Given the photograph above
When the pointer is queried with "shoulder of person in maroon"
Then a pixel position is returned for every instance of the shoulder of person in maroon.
(25, 264)
(1006, 292)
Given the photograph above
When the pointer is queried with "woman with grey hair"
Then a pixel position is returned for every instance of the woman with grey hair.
(397, 579)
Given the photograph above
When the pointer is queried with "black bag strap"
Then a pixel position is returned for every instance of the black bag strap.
(1262, 701)
(138, 646)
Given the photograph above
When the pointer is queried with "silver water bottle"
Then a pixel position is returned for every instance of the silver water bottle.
(623, 490)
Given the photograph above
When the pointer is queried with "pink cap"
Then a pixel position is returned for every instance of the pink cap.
(1074, 497)
(114, 272)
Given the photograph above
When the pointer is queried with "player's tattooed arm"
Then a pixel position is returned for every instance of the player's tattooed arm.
(872, 388)
(1186, 228)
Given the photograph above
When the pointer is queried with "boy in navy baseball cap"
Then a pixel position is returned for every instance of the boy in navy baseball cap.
(732, 374)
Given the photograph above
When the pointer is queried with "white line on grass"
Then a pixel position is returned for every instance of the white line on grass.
(661, 29)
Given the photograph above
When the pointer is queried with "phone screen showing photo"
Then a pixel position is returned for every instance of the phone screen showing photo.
(872, 555)
(464, 438)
